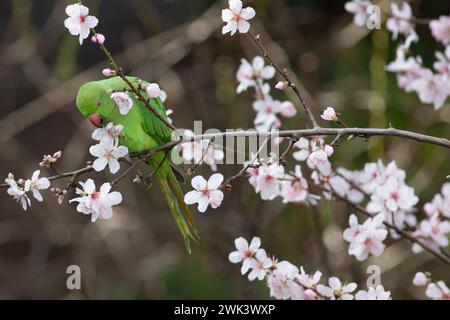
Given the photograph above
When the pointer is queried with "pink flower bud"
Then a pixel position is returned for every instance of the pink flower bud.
(43, 164)
(420, 279)
(57, 154)
(329, 114)
(288, 109)
(153, 90)
(20, 181)
(310, 294)
(281, 85)
(109, 73)
(278, 140)
(98, 38)
(329, 150)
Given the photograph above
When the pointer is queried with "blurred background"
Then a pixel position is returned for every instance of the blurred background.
(139, 253)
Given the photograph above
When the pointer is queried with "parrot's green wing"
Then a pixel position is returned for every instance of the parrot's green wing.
(157, 129)
(165, 175)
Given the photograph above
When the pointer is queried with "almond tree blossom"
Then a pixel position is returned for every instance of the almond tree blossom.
(96, 203)
(245, 253)
(153, 90)
(399, 22)
(440, 203)
(412, 75)
(432, 88)
(286, 281)
(420, 279)
(304, 145)
(268, 183)
(297, 190)
(438, 291)
(434, 231)
(440, 29)
(395, 200)
(253, 74)
(336, 291)
(373, 293)
(35, 184)
(198, 152)
(367, 238)
(353, 191)
(123, 101)
(109, 72)
(17, 192)
(442, 65)
(107, 154)
(98, 38)
(206, 192)
(266, 113)
(329, 114)
(236, 17)
(79, 22)
(259, 265)
(359, 9)
(109, 132)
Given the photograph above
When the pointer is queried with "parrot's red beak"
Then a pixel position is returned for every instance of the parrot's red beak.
(96, 120)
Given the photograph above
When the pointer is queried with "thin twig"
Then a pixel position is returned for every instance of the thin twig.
(283, 72)
(227, 184)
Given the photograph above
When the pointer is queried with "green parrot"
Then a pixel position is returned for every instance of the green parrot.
(143, 130)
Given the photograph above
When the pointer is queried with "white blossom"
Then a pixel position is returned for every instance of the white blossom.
(107, 154)
(18, 193)
(359, 9)
(245, 253)
(35, 184)
(110, 132)
(123, 101)
(336, 291)
(236, 17)
(96, 203)
(377, 293)
(206, 192)
(329, 114)
(400, 20)
(79, 22)
(367, 238)
(438, 291)
(259, 265)
(251, 75)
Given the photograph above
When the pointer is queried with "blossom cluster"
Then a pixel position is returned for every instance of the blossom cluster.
(268, 110)
(108, 153)
(432, 86)
(434, 290)
(18, 189)
(286, 281)
(199, 152)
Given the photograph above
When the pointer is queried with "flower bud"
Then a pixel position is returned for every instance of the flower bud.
(109, 73)
(420, 279)
(98, 38)
(282, 85)
(153, 90)
(288, 109)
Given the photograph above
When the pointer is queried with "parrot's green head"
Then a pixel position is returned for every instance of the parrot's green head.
(94, 102)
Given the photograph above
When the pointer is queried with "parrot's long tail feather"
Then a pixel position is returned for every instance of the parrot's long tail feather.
(175, 199)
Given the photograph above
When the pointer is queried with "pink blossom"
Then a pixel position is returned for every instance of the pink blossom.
(440, 29)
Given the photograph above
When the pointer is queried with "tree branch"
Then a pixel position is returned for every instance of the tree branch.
(283, 72)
